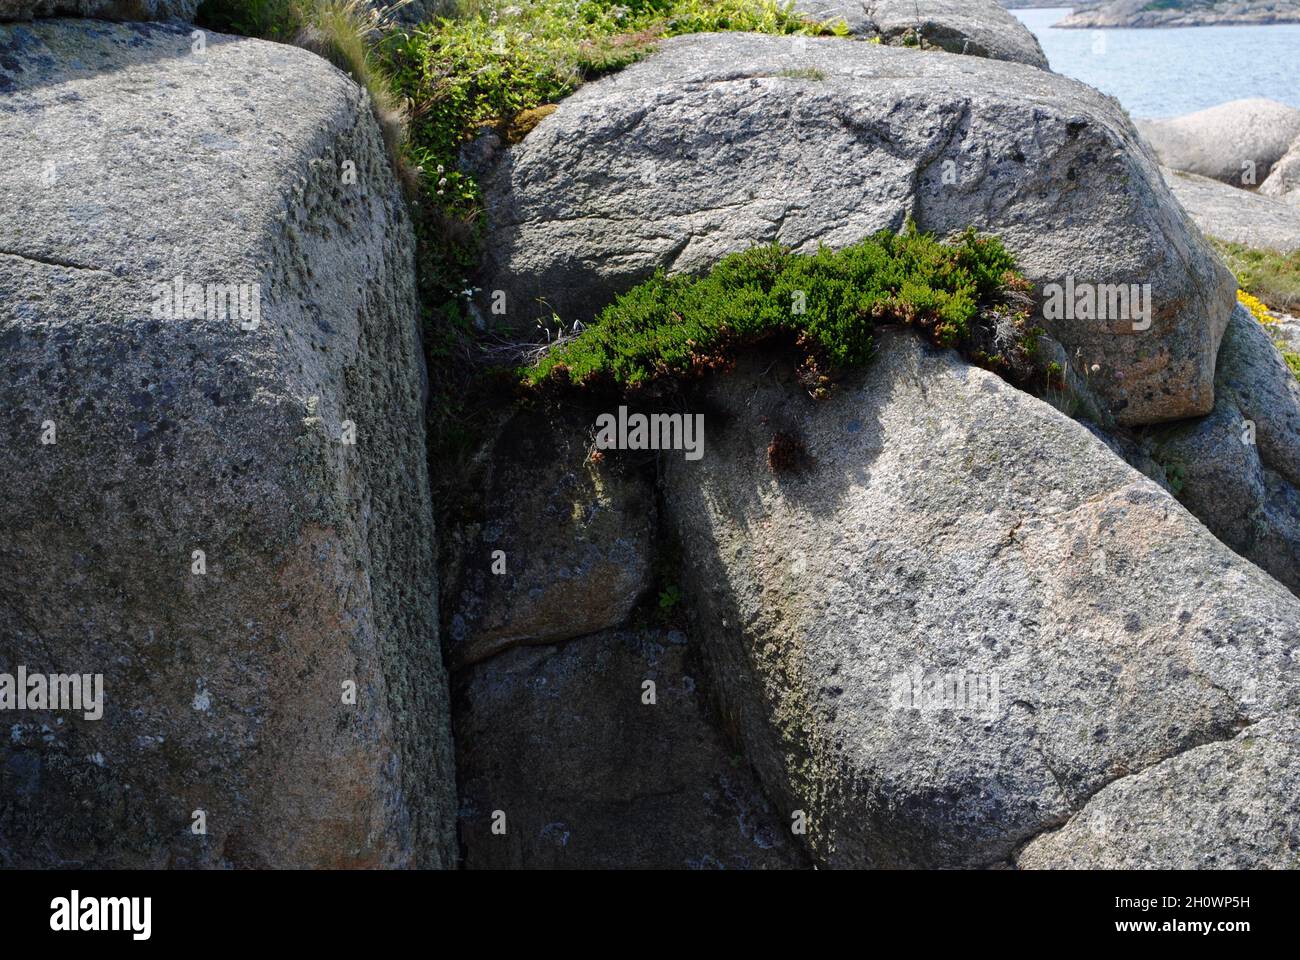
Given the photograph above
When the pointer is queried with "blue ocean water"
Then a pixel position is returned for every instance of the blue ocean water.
(1165, 72)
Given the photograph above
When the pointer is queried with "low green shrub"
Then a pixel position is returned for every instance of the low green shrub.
(264, 19)
(1270, 283)
(825, 304)
(499, 66)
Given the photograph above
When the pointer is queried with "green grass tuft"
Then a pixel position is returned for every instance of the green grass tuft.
(809, 73)
(265, 19)
(1293, 361)
(826, 304)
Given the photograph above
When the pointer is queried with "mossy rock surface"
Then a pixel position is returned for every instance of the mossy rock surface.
(709, 147)
(180, 431)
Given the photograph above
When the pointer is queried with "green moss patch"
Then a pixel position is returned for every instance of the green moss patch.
(825, 304)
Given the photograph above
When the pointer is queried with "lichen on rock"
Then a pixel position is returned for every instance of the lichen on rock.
(136, 164)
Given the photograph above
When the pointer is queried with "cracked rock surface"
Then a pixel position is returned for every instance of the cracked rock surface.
(556, 546)
(130, 162)
(722, 141)
(945, 525)
(1223, 806)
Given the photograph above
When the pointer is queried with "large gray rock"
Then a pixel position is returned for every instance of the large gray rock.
(1283, 180)
(1238, 470)
(1200, 810)
(721, 142)
(101, 9)
(978, 28)
(1236, 143)
(1187, 13)
(852, 13)
(587, 774)
(131, 160)
(1237, 215)
(554, 546)
(963, 616)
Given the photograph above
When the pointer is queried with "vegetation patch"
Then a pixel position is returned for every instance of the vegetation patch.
(1276, 277)
(808, 73)
(1155, 5)
(1271, 277)
(1256, 307)
(1293, 361)
(478, 66)
(501, 68)
(965, 294)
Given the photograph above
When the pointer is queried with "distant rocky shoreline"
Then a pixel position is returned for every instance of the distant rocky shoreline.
(1176, 13)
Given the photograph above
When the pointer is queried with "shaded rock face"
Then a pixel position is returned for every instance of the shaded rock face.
(1236, 143)
(102, 9)
(721, 142)
(555, 728)
(1238, 215)
(1201, 810)
(1238, 470)
(978, 28)
(558, 547)
(964, 616)
(415, 12)
(138, 432)
(1284, 179)
(586, 774)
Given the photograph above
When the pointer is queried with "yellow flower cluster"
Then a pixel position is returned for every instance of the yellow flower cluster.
(1256, 307)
